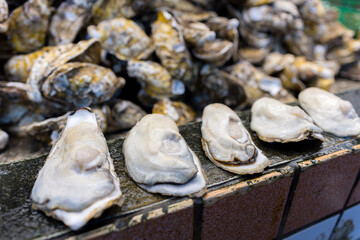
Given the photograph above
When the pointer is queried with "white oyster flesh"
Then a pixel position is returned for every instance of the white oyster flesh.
(274, 121)
(159, 160)
(227, 143)
(4, 139)
(78, 181)
(331, 113)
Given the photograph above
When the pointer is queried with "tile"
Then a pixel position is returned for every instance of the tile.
(251, 214)
(349, 225)
(321, 230)
(323, 188)
(176, 225)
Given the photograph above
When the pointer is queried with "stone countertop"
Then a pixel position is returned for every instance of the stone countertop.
(19, 221)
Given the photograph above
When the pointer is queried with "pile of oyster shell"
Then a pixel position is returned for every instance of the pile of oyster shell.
(169, 57)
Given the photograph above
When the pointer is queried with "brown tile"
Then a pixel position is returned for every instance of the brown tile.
(176, 225)
(323, 188)
(254, 214)
(355, 196)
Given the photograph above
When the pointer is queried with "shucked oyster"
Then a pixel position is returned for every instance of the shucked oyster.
(159, 160)
(28, 25)
(227, 143)
(274, 121)
(123, 38)
(330, 112)
(78, 181)
(4, 138)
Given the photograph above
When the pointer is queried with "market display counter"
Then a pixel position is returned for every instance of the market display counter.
(306, 181)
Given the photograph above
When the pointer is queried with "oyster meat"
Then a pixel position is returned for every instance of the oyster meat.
(331, 113)
(78, 181)
(227, 143)
(4, 139)
(274, 121)
(158, 159)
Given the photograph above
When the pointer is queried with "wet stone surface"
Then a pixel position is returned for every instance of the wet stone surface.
(19, 221)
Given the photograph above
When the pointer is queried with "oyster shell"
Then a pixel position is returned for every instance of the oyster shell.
(122, 115)
(331, 113)
(158, 159)
(170, 47)
(4, 139)
(177, 111)
(78, 181)
(81, 84)
(110, 9)
(28, 25)
(69, 18)
(197, 33)
(4, 14)
(155, 78)
(227, 143)
(274, 121)
(123, 38)
(217, 52)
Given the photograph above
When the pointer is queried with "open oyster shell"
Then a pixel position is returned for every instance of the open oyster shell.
(78, 181)
(227, 143)
(274, 121)
(28, 25)
(81, 84)
(4, 139)
(159, 160)
(331, 113)
(123, 38)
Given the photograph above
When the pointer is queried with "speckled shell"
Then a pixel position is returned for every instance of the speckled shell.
(197, 33)
(81, 84)
(274, 121)
(69, 18)
(170, 47)
(331, 113)
(123, 38)
(158, 159)
(28, 25)
(78, 181)
(177, 111)
(110, 9)
(227, 143)
(156, 80)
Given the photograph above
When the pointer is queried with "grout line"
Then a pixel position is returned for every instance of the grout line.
(346, 203)
(198, 216)
(289, 200)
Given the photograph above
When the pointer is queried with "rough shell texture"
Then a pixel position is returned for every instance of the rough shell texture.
(4, 138)
(109, 9)
(197, 33)
(159, 160)
(4, 14)
(69, 18)
(78, 181)
(28, 25)
(274, 121)
(123, 38)
(170, 47)
(81, 84)
(330, 112)
(177, 111)
(227, 143)
(123, 115)
(155, 78)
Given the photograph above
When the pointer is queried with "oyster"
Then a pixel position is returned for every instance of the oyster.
(170, 47)
(4, 139)
(227, 143)
(110, 9)
(158, 159)
(274, 121)
(197, 33)
(122, 115)
(78, 181)
(28, 25)
(331, 113)
(81, 84)
(155, 78)
(177, 111)
(123, 38)
(69, 18)
(4, 14)
(217, 52)
(49, 130)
